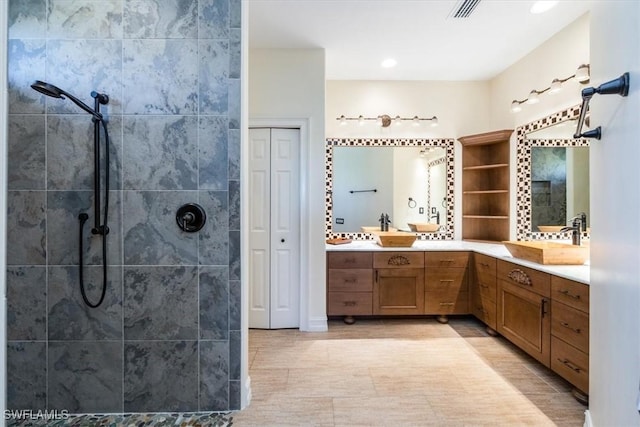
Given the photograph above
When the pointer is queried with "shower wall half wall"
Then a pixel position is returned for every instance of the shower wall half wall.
(167, 337)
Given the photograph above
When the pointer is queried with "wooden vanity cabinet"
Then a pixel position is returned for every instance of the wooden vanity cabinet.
(446, 283)
(524, 312)
(398, 284)
(570, 333)
(349, 284)
(483, 290)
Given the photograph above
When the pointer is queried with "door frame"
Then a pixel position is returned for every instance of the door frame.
(303, 125)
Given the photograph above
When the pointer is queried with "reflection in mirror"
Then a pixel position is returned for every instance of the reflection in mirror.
(407, 183)
(411, 180)
(559, 186)
(553, 176)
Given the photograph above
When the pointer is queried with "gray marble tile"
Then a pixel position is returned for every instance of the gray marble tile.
(26, 228)
(234, 255)
(213, 75)
(85, 377)
(26, 165)
(70, 318)
(161, 153)
(26, 60)
(213, 237)
(26, 303)
(151, 234)
(234, 154)
(234, 104)
(214, 303)
(82, 66)
(161, 303)
(27, 18)
(161, 19)
(235, 54)
(84, 19)
(235, 397)
(160, 376)
(235, 355)
(234, 205)
(26, 375)
(214, 375)
(160, 76)
(235, 13)
(214, 19)
(63, 208)
(235, 307)
(70, 152)
(213, 157)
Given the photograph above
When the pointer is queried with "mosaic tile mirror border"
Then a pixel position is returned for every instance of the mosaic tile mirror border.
(446, 143)
(523, 171)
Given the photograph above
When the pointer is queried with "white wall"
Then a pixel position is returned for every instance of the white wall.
(461, 107)
(558, 57)
(290, 84)
(615, 213)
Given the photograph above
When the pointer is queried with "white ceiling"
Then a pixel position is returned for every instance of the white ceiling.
(428, 45)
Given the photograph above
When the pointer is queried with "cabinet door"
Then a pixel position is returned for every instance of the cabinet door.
(524, 319)
(398, 291)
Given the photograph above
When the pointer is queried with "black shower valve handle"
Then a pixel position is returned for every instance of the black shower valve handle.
(191, 217)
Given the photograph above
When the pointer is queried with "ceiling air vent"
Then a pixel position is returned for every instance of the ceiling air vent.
(464, 8)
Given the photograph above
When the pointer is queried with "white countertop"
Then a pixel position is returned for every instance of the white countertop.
(579, 273)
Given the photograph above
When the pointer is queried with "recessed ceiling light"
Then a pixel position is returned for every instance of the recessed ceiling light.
(388, 63)
(542, 6)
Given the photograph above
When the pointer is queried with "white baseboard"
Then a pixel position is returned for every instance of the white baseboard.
(317, 324)
(587, 419)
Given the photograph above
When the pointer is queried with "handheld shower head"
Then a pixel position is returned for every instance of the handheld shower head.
(47, 89)
(55, 92)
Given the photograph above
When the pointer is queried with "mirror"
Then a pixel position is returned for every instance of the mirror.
(553, 176)
(411, 180)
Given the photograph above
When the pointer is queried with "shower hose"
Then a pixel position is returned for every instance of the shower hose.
(104, 230)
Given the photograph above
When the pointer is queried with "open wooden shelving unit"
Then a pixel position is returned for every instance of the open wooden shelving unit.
(485, 186)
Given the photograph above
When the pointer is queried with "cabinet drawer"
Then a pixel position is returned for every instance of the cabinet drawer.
(349, 259)
(349, 303)
(446, 259)
(446, 302)
(570, 325)
(574, 294)
(350, 280)
(570, 363)
(407, 259)
(446, 279)
(485, 264)
(524, 277)
(485, 310)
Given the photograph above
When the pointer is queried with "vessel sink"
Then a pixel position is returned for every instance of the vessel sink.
(395, 239)
(550, 228)
(424, 227)
(548, 252)
(375, 228)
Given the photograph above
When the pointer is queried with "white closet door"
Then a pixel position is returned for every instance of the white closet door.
(274, 226)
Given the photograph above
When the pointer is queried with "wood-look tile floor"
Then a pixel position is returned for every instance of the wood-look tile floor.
(400, 372)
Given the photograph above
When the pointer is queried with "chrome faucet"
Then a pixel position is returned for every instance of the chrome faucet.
(575, 230)
(583, 221)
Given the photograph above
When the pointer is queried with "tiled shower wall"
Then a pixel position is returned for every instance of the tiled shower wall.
(167, 337)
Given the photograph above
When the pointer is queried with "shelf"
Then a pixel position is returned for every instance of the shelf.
(486, 192)
(485, 217)
(482, 167)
